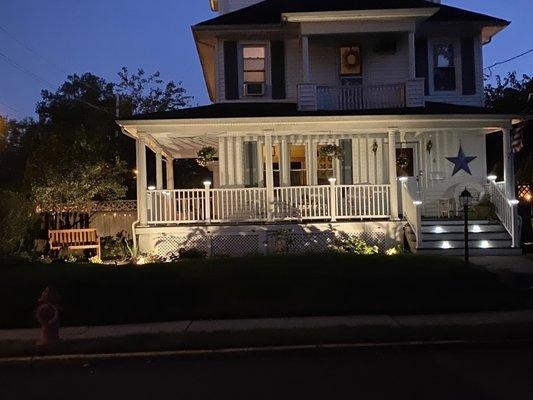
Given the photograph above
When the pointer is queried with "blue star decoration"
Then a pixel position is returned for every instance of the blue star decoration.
(461, 162)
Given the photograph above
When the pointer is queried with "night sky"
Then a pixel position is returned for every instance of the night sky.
(51, 39)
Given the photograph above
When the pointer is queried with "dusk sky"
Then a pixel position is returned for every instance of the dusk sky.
(41, 42)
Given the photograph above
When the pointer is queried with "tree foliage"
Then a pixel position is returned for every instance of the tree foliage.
(514, 95)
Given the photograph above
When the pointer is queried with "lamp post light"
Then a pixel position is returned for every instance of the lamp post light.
(466, 201)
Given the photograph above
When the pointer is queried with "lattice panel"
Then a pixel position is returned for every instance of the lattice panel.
(235, 245)
(372, 239)
(165, 246)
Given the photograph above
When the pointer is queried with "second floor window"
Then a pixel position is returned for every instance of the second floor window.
(444, 67)
(254, 65)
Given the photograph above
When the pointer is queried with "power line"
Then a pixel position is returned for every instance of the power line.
(8, 106)
(31, 50)
(508, 60)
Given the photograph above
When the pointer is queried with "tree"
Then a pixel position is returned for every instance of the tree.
(512, 95)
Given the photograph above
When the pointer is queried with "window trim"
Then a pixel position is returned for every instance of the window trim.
(456, 42)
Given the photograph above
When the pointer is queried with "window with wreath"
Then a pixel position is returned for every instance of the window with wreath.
(444, 74)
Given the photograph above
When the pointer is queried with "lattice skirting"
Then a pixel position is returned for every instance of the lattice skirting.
(252, 243)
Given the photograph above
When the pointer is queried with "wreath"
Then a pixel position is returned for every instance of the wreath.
(206, 155)
(402, 161)
(351, 58)
(331, 150)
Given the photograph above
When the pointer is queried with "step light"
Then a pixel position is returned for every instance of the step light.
(446, 245)
(485, 244)
(438, 229)
(476, 229)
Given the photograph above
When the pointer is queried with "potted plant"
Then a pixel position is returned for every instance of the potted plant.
(331, 150)
(206, 156)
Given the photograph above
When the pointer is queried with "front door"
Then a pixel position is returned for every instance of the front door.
(406, 166)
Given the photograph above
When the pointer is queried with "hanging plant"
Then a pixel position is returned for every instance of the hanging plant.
(402, 161)
(206, 155)
(429, 146)
(331, 150)
(375, 147)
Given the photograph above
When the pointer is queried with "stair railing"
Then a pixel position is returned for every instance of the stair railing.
(506, 210)
(412, 210)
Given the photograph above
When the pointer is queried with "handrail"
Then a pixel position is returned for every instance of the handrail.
(505, 210)
(412, 213)
(360, 97)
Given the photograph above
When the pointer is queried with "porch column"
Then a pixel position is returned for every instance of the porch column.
(508, 164)
(393, 178)
(140, 148)
(306, 73)
(230, 161)
(412, 55)
(159, 169)
(170, 173)
(260, 164)
(222, 160)
(285, 163)
(269, 181)
(239, 161)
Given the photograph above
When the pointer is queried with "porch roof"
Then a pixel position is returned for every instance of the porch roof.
(258, 110)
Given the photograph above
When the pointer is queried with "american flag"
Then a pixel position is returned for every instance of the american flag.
(518, 138)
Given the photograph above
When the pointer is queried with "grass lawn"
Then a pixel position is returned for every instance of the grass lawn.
(301, 285)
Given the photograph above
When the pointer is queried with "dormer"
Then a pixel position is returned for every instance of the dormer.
(227, 6)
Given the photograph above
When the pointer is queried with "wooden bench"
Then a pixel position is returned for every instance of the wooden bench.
(74, 239)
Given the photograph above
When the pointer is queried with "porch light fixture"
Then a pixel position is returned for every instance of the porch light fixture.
(151, 187)
(492, 178)
(418, 203)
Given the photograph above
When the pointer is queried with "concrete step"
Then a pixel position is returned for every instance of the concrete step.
(473, 244)
(501, 235)
(431, 222)
(473, 252)
(473, 228)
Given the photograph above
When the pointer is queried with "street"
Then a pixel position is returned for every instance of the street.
(451, 372)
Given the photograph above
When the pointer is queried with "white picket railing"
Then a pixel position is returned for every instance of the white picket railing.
(302, 202)
(505, 210)
(411, 212)
(244, 205)
(329, 202)
(360, 97)
(363, 201)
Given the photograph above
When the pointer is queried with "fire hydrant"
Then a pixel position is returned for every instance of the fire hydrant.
(47, 314)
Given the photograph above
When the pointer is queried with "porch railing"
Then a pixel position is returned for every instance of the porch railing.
(505, 210)
(313, 97)
(360, 97)
(329, 202)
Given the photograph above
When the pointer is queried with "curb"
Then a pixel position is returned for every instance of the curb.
(78, 358)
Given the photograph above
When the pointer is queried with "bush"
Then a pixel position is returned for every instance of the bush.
(353, 245)
(19, 224)
(116, 248)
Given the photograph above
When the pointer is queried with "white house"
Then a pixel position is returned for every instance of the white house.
(392, 88)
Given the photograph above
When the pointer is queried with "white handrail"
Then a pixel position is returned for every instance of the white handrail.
(505, 210)
(412, 213)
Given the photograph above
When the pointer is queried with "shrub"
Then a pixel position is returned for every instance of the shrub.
(116, 248)
(19, 223)
(352, 245)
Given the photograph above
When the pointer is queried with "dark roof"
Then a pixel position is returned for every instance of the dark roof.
(255, 110)
(269, 11)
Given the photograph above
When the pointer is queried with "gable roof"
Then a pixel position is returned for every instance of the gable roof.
(258, 110)
(270, 11)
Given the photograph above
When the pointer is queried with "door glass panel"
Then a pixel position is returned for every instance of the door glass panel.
(324, 168)
(405, 162)
(298, 166)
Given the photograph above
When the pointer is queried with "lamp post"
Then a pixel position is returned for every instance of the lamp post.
(466, 201)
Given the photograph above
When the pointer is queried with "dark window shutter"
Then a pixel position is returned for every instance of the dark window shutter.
(422, 61)
(346, 163)
(468, 65)
(231, 70)
(250, 164)
(277, 56)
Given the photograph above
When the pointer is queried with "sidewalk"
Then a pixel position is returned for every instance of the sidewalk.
(218, 334)
(518, 264)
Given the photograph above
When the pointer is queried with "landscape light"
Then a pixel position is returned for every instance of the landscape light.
(514, 202)
(151, 187)
(417, 203)
(492, 178)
